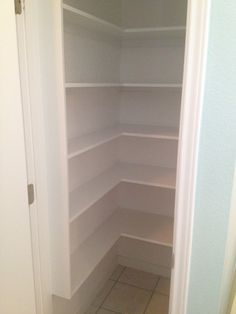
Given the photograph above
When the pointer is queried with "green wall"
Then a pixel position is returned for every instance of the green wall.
(216, 162)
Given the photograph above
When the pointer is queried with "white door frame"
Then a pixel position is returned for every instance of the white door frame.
(192, 100)
(16, 266)
(29, 65)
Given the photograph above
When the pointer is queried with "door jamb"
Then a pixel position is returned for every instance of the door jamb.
(192, 101)
(35, 153)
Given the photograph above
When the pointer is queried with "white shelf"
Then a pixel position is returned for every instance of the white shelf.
(75, 16)
(133, 224)
(90, 85)
(148, 175)
(123, 85)
(84, 143)
(89, 21)
(155, 32)
(89, 193)
(157, 132)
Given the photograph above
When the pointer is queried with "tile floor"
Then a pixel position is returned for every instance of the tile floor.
(130, 291)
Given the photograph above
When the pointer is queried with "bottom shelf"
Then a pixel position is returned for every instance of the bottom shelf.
(124, 222)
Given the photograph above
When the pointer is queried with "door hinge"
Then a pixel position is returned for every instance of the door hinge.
(173, 260)
(18, 6)
(30, 189)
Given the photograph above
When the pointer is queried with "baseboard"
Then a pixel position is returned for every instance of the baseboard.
(144, 266)
(146, 256)
(87, 292)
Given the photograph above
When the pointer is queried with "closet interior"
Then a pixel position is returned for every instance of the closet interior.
(123, 63)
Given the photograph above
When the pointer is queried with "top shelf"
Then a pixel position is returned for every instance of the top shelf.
(74, 16)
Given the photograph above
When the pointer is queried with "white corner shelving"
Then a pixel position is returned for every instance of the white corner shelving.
(84, 143)
(89, 193)
(129, 223)
(75, 16)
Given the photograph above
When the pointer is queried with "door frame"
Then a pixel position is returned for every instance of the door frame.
(17, 283)
(198, 17)
(36, 153)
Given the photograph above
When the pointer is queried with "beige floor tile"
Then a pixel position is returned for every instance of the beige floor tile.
(139, 278)
(104, 311)
(159, 304)
(103, 293)
(126, 299)
(163, 286)
(92, 310)
(117, 272)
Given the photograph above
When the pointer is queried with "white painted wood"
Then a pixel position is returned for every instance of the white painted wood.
(108, 10)
(38, 209)
(80, 145)
(146, 198)
(151, 106)
(148, 175)
(142, 85)
(90, 110)
(143, 13)
(146, 61)
(88, 85)
(113, 145)
(148, 151)
(86, 222)
(49, 130)
(124, 86)
(16, 266)
(82, 198)
(157, 33)
(152, 268)
(76, 16)
(194, 75)
(88, 194)
(81, 299)
(144, 256)
(87, 166)
(91, 57)
(129, 223)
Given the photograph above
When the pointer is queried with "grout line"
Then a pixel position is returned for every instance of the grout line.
(161, 293)
(134, 286)
(152, 295)
(115, 281)
(105, 296)
(110, 310)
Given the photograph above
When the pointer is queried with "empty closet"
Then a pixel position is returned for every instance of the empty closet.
(123, 68)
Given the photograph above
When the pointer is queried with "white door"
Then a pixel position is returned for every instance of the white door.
(17, 293)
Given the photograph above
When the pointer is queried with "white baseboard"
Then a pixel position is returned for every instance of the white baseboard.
(144, 266)
(87, 292)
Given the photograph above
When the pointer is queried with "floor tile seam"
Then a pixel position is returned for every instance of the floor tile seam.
(100, 306)
(122, 272)
(134, 286)
(116, 280)
(152, 294)
(114, 283)
(104, 308)
(161, 293)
